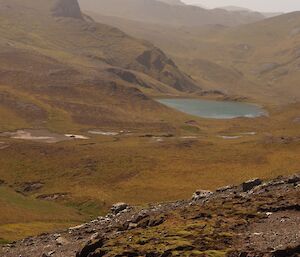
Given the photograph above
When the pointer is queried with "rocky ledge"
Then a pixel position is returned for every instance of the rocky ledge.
(255, 219)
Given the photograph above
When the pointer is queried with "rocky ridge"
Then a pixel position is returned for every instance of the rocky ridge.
(256, 218)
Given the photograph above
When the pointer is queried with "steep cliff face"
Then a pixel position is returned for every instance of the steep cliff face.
(155, 63)
(66, 8)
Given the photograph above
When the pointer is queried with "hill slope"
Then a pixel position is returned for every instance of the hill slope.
(233, 221)
(238, 60)
(65, 66)
(157, 12)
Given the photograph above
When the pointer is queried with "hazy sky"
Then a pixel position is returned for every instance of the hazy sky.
(258, 5)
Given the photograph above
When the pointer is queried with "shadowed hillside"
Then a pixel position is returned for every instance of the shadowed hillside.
(62, 64)
(258, 61)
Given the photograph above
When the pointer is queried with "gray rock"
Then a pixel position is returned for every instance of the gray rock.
(78, 227)
(61, 241)
(132, 226)
(118, 207)
(250, 184)
(49, 254)
(95, 236)
(224, 189)
(201, 194)
(293, 179)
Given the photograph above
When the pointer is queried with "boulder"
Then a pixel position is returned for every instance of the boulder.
(250, 184)
(79, 227)
(49, 254)
(61, 241)
(118, 207)
(293, 179)
(157, 221)
(95, 236)
(90, 248)
(141, 215)
(132, 226)
(201, 194)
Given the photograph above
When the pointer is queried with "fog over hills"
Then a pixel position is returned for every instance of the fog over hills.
(222, 58)
(158, 12)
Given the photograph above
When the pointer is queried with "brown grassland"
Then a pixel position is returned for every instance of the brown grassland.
(92, 174)
(75, 76)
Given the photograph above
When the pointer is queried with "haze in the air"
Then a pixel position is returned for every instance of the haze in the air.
(258, 5)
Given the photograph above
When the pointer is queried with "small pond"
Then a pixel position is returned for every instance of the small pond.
(214, 109)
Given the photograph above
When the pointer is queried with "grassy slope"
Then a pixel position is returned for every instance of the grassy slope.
(65, 65)
(101, 171)
(104, 170)
(231, 59)
(157, 12)
(23, 216)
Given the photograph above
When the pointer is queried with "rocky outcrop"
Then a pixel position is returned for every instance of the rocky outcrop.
(66, 8)
(262, 221)
(90, 247)
(250, 184)
(118, 207)
(201, 194)
(155, 63)
(128, 76)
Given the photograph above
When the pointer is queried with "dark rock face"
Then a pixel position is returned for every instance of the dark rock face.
(155, 62)
(248, 185)
(289, 252)
(128, 76)
(294, 179)
(118, 207)
(91, 247)
(154, 59)
(67, 8)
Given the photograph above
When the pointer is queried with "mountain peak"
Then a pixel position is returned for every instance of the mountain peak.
(66, 8)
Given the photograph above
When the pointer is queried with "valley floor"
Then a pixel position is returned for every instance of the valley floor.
(45, 186)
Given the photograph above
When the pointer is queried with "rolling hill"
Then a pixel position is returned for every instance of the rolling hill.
(59, 68)
(242, 9)
(258, 60)
(158, 12)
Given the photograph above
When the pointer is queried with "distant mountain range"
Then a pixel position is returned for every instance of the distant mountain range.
(154, 11)
(236, 60)
(243, 9)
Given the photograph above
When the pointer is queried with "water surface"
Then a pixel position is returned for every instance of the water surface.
(214, 109)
